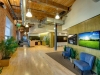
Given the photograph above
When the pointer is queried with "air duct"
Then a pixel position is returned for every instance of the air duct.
(23, 10)
(52, 21)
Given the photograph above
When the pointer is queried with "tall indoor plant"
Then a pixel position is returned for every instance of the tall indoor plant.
(7, 47)
(47, 40)
(73, 55)
(98, 66)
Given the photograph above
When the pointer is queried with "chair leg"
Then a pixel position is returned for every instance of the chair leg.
(91, 71)
(81, 72)
(74, 65)
(64, 57)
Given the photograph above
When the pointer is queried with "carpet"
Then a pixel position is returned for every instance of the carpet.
(57, 56)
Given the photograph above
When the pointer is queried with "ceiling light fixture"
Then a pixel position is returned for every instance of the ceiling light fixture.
(29, 14)
(57, 15)
(26, 25)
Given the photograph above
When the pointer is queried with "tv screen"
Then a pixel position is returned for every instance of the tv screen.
(34, 37)
(72, 39)
(61, 38)
(89, 39)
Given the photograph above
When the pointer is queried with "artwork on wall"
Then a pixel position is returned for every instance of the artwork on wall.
(72, 39)
(34, 37)
(89, 39)
(61, 38)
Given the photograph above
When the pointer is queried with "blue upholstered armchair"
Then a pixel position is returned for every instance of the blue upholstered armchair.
(67, 53)
(85, 63)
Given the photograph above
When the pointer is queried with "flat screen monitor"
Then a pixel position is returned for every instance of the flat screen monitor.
(72, 39)
(90, 39)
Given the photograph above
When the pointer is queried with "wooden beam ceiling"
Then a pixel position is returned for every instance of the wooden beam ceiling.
(52, 4)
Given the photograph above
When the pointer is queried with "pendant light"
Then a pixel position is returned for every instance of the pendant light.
(29, 14)
(57, 15)
(26, 25)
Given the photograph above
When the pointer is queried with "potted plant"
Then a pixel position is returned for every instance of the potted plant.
(73, 55)
(98, 66)
(47, 40)
(7, 47)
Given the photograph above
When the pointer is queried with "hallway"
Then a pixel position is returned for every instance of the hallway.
(34, 61)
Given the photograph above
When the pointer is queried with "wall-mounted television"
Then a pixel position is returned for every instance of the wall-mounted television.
(34, 37)
(61, 38)
(90, 39)
(72, 39)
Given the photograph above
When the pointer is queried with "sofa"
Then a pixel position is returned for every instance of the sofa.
(67, 53)
(85, 63)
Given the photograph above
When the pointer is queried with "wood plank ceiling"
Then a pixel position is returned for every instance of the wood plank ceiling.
(48, 8)
(41, 8)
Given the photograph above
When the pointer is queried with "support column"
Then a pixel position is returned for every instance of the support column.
(55, 36)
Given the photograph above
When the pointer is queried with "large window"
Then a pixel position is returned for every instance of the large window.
(8, 28)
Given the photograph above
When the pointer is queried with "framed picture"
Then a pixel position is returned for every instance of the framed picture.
(72, 39)
(90, 39)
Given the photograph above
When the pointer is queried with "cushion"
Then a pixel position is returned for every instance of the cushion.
(82, 65)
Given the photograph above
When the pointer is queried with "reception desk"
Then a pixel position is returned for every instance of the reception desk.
(34, 42)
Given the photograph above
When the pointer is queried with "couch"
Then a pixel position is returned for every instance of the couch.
(85, 63)
(67, 53)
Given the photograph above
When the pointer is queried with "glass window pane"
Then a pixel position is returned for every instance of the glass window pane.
(7, 31)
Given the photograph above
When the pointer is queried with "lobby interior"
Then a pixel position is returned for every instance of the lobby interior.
(41, 27)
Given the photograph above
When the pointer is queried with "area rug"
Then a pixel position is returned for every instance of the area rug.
(57, 56)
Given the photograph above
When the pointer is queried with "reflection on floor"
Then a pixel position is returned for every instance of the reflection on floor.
(34, 61)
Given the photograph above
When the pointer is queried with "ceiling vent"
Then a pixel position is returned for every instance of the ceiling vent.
(52, 21)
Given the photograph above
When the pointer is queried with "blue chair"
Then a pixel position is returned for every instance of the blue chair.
(67, 53)
(85, 63)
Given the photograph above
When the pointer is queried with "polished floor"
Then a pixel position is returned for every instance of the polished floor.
(34, 61)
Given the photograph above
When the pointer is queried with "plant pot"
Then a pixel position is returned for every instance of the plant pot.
(72, 60)
(4, 62)
(0, 55)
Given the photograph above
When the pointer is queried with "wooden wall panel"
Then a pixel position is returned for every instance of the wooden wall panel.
(92, 24)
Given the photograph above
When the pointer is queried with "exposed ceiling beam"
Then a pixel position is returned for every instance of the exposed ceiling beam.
(71, 3)
(15, 5)
(41, 15)
(41, 11)
(52, 4)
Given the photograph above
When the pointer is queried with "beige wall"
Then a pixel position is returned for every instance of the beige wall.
(92, 24)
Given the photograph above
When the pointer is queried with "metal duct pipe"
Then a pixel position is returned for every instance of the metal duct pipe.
(23, 11)
(12, 10)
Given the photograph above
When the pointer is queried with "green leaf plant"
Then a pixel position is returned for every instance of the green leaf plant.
(7, 47)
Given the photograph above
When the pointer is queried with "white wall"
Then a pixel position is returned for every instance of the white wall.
(81, 11)
(46, 28)
(33, 34)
